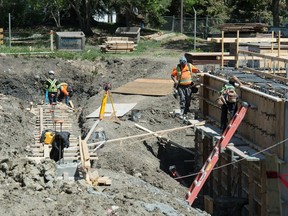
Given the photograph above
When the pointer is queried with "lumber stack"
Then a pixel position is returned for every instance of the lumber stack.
(117, 44)
(244, 27)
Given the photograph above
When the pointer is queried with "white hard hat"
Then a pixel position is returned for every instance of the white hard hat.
(51, 72)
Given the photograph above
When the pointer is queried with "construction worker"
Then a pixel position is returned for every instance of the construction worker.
(63, 92)
(228, 100)
(182, 75)
(51, 88)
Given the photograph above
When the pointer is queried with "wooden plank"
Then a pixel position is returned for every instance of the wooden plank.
(195, 54)
(117, 51)
(154, 80)
(156, 87)
(264, 74)
(264, 56)
(247, 40)
(86, 155)
(91, 130)
(119, 42)
(41, 119)
(117, 38)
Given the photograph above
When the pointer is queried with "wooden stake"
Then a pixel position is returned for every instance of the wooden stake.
(51, 40)
(222, 50)
(237, 50)
(272, 49)
(279, 36)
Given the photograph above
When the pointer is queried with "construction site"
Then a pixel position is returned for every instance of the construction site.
(129, 153)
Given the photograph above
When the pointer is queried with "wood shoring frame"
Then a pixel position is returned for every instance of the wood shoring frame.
(91, 130)
(175, 144)
(143, 135)
(264, 56)
(268, 75)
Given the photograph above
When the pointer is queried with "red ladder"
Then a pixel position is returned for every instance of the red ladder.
(214, 156)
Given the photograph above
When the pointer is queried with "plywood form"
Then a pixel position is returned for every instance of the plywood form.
(154, 87)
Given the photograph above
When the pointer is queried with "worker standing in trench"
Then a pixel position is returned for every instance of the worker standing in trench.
(182, 76)
(51, 88)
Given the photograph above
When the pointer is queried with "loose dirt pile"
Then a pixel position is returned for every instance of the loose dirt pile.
(138, 168)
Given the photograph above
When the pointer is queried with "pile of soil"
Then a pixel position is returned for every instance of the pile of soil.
(139, 168)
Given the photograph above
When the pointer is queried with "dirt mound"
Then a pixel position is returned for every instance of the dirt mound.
(139, 168)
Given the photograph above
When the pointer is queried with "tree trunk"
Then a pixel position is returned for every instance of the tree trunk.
(275, 13)
(83, 16)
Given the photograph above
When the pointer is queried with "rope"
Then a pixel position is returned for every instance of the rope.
(234, 162)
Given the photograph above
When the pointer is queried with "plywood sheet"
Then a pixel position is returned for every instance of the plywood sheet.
(153, 87)
(121, 109)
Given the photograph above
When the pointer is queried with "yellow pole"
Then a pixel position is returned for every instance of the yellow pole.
(103, 106)
(237, 49)
(222, 48)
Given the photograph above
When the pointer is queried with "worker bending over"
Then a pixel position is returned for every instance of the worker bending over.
(182, 75)
(63, 92)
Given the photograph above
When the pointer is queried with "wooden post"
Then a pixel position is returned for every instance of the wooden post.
(51, 40)
(222, 50)
(1, 35)
(278, 54)
(272, 48)
(237, 49)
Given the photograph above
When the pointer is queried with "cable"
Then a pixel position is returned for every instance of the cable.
(219, 167)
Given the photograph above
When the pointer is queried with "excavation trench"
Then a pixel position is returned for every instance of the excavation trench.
(176, 162)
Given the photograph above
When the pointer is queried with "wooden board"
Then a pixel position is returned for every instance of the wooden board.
(247, 40)
(117, 38)
(153, 87)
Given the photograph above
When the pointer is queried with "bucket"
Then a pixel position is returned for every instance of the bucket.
(49, 136)
(135, 115)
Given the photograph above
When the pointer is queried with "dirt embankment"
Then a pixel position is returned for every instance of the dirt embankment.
(138, 168)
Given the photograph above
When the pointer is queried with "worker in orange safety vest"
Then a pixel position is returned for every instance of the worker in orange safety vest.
(182, 75)
(63, 92)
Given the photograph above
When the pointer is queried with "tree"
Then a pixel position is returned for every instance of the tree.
(135, 10)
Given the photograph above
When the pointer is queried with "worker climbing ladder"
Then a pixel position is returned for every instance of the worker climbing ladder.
(214, 156)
